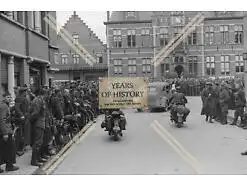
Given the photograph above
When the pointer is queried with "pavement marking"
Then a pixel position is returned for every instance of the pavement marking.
(177, 147)
(178, 144)
(63, 156)
(49, 167)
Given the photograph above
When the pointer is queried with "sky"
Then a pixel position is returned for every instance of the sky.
(93, 19)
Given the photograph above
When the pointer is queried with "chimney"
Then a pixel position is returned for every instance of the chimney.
(108, 15)
(74, 13)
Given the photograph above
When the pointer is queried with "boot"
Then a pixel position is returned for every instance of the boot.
(34, 161)
(224, 120)
(234, 121)
(1, 170)
(11, 167)
(211, 120)
(45, 156)
(42, 159)
(103, 125)
(206, 118)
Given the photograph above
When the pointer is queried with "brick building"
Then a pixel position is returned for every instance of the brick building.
(130, 43)
(27, 47)
(73, 66)
(214, 48)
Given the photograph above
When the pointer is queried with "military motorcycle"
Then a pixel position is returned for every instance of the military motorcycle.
(115, 131)
(178, 115)
(62, 134)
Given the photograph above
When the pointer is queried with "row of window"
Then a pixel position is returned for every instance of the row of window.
(36, 19)
(145, 61)
(177, 29)
(76, 59)
(224, 65)
(192, 63)
(146, 66)
(132, 69)
(191, 39)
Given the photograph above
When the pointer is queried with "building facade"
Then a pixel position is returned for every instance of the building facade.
(213, 49)
(130, 44)
(27, 47)
(74, 35)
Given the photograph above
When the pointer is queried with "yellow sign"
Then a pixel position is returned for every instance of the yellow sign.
(123, 92)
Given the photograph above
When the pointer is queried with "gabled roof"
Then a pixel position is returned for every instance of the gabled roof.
(73, 17)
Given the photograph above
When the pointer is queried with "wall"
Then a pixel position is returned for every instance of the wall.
(38, 46)
(12, 37)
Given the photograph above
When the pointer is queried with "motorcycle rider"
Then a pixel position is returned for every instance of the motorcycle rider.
(109, 124)
(177, 99)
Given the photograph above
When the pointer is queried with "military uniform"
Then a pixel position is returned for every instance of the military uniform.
(178, 99)
(240, 102)
(7, 146)
(57, 107)
(224, 100)
(68, 106)
(22, 118)
(46, 148)
(208, 97)
(37, 113)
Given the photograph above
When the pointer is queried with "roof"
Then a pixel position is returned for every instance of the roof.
(119, 15)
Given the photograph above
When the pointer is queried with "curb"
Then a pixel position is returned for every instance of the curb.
(42, 170)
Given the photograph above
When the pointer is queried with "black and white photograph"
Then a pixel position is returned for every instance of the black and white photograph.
(123, 92)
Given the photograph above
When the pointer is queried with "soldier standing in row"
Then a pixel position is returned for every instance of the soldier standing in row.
(56, 105)
(240, 103)
(224, 100)
(209, 102)
(7, 143)
(22, 118)
(37, 113)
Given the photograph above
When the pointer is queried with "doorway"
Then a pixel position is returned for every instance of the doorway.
(179, 70)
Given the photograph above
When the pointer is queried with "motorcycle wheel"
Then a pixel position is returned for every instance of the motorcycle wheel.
(179, 125)
(115, 137)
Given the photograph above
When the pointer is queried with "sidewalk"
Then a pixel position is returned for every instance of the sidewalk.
(24, 162)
